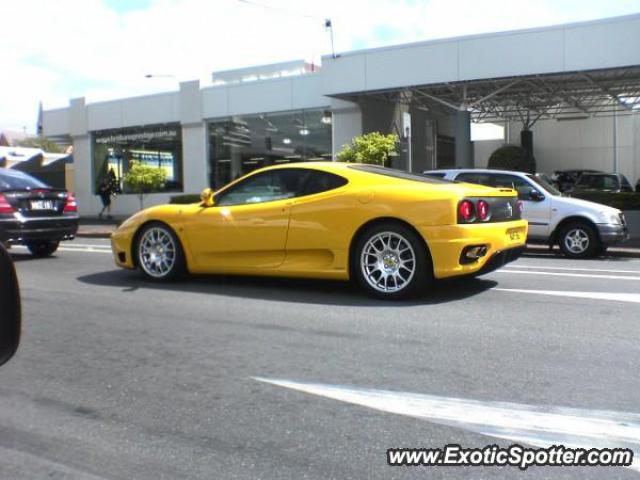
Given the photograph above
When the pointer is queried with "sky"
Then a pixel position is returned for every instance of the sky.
(52, 51)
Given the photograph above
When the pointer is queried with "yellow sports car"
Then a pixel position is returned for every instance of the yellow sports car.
(391, 231)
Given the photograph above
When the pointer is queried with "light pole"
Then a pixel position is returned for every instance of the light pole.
(152, 75)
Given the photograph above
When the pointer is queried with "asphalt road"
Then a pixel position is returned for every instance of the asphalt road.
(119, 378)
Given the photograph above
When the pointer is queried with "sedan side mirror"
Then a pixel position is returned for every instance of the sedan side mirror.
(207, 197)
(10, 311)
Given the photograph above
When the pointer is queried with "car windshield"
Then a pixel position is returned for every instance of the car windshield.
(542, 182)
(599, 182)
(16, 180)
(392, 172)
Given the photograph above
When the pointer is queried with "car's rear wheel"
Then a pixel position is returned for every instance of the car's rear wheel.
(42, 248)
(159, 253)
(390, 261)
(579, 240)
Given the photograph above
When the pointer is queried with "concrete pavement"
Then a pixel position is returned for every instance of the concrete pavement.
(118, 377)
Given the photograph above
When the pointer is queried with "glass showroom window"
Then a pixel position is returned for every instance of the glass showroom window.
(159, 146)
(241, 144)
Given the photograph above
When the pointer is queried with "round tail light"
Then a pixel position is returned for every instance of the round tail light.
(466, 211)
(483, 211)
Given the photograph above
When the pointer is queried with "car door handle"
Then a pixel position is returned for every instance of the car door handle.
(258, 221)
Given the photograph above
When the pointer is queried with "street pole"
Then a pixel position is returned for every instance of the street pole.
(615, 141)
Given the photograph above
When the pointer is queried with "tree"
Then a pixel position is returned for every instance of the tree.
(374, 148)
(142, 179)
(42, 143)
(512, 157)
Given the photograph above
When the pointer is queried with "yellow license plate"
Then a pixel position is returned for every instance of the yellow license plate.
(516, 235)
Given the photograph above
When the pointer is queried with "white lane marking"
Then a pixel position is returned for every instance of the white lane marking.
(87, 250)
(72, 249)
(90, 245)
(581, 275)
(541, 426)
(533, 267)
(617, 297)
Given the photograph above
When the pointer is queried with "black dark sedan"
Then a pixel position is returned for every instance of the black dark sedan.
(34, 214)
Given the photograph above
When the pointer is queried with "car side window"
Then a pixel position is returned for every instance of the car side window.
(478, 178)
(265, 187)
(520, 185)
(318, 182)
(626, 186)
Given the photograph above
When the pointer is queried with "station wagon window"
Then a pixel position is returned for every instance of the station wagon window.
(478, 178)
(520, 185)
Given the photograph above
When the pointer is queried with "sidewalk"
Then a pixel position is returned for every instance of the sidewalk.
(93, 227)
(96, 228)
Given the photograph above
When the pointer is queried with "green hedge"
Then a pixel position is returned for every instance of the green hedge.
(622, 201)
(512, 157)
(185, 198)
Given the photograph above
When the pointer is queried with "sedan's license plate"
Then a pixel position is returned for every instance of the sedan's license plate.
(515, 235)
(42, 205)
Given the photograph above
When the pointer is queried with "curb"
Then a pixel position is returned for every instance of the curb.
(620, 252)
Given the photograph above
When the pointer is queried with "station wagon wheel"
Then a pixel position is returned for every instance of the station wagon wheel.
(159, 252)
(391, 261)
(579, 240)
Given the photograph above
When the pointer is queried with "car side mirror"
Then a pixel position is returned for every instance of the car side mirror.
(10, 311)
(207, 197)
(535, 196)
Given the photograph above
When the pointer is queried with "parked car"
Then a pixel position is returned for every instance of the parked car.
(10, 316)
(564, 180)
(601, 182)
(582, 229)
(391, 231)
(34, 214)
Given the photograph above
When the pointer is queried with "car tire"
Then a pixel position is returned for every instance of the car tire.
(579, 240)
(390, 261)
(158, 253)
(41, 249)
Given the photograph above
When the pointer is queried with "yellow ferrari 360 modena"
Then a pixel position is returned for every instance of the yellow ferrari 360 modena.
(391, 231)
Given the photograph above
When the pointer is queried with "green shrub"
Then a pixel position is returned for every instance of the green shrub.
(374, 148)
(512, 157)
(142, 179)
(622, 201)
(185, 198)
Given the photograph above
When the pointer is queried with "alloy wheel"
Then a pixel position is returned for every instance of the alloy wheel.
(576, 241)
(388, 262)
(157, 252)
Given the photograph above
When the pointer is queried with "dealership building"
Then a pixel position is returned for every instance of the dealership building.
(575, 87)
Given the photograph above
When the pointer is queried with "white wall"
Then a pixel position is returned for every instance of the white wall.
(273, 95)
(195, 161)
(482, 150)
(588, 143)
(347, 123)
(611, 42)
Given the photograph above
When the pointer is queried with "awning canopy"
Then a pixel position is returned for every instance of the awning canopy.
(528, 98)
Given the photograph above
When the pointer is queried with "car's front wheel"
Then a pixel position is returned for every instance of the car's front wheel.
(579, 240)
(159, 253)
(43, 248)
(390, 261)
